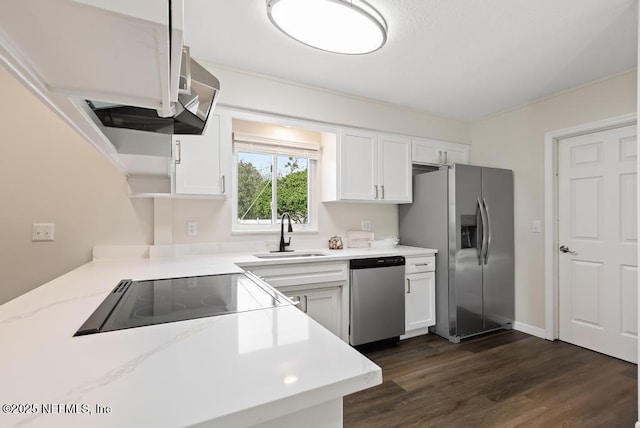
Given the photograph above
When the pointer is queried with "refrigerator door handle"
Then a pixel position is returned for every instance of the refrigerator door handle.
(479, 232)
(485, 233)
(488, 229)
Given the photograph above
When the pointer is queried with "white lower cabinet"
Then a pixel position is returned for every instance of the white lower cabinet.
(420, 303)
(321, 288)
(323, 304)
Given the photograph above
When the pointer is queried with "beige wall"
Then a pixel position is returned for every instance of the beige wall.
(49, 174)
(515, 140)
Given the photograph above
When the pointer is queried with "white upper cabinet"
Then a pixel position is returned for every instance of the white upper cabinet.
(197, 162)
(201, 165)
(428, 151)
(370, 167)
(358, 165)
(394, 166)
(117, 51)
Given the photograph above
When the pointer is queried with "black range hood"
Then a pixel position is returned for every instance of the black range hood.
(197, 96)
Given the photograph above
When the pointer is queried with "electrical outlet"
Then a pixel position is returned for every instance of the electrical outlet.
(43, 231)
(365, 225)
(536, 226)
(192, 228)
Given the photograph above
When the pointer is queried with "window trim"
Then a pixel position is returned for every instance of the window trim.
(255, 144)
(231, 112)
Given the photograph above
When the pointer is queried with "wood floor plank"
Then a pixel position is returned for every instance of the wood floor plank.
(502, 379)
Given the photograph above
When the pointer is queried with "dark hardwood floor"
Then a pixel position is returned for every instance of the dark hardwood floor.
(502, 379)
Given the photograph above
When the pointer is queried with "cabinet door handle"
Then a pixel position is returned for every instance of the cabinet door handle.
(295, 302)
(408, 286)
(376, 187)
(178, 153)
(382, 191)
(224, 187)
(446, 157)
(439, 156)
(306, 301)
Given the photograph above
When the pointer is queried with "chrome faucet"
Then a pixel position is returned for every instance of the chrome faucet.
(284, 245)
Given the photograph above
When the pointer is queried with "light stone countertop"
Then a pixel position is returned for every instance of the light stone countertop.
(229, 370)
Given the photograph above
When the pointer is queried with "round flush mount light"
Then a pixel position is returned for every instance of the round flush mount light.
(349, 27)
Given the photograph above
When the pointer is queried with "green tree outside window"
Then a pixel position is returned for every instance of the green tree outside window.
(256, 190)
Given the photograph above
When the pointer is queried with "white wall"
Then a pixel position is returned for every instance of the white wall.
(49, 174)
(515, 139)
(214, 222)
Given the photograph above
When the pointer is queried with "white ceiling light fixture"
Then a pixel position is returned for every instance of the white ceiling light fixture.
(349, 27)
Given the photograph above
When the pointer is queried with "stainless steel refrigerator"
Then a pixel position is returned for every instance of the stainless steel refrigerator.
(466, 213)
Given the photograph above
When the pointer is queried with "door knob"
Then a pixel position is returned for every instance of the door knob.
(565, 249)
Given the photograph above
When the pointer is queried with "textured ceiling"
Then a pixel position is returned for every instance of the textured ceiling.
(458, 58)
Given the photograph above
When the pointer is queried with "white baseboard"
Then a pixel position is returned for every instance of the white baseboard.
(534, 331)
(415, 333)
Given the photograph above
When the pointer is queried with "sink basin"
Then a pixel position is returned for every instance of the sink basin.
(289, 254)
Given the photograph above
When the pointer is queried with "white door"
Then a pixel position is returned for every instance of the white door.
(419, 301)
(597, 235)
(426, 152)
(394, 167)
(358, 162)
(197, 161)
(456, 156)
(324, 307)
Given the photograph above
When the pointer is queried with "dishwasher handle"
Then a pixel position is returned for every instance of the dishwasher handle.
(376, 262)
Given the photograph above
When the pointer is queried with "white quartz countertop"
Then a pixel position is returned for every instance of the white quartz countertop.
(331, 255)
(229, 370)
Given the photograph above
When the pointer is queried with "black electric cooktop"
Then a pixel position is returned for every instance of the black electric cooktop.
(141, 303)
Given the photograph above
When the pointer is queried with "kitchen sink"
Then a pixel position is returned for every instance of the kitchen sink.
(289, 254)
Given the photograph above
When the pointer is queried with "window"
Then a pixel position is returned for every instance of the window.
(273, 177)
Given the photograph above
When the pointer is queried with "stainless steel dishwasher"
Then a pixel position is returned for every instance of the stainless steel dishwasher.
(377, 299)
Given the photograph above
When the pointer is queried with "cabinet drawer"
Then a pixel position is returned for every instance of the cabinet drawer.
(302, 273)
(420, 264)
